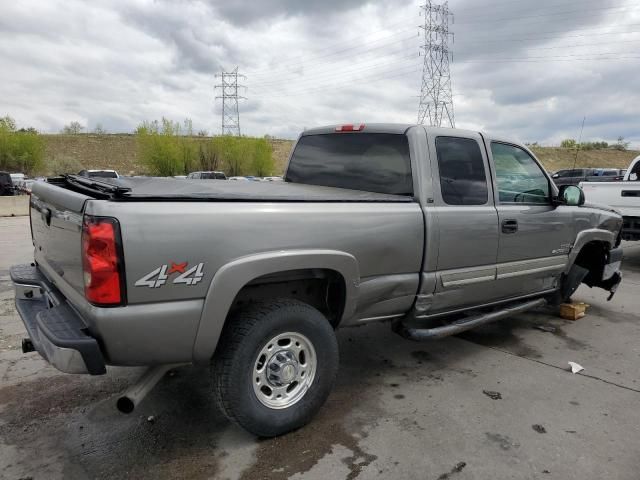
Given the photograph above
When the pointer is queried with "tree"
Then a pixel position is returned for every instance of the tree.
(99, 129)
(568, 143)
(7, 124)
(20, 151)
(73, 128)
(621, 144)
(262, 164)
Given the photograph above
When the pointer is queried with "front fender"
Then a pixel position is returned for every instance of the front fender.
(587, 236)
(233, 276)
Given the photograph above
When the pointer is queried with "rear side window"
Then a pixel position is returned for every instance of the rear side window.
(372, 162)
(463, 180)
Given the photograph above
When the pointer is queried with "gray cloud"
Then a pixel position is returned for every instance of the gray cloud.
(519, 69)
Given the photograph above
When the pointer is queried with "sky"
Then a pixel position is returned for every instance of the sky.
(525, 70)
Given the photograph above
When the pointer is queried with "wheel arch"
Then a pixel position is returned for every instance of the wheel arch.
(587, 240)
(231, 278)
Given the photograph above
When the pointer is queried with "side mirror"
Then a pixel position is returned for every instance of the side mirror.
(571, 195)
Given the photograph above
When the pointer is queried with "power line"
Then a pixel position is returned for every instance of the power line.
(338, 71)
(307, 62)
(229, 96)
(492, 18)
(436, 102)
(350, 82)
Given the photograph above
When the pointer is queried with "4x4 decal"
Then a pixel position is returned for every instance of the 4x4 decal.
(160, 275)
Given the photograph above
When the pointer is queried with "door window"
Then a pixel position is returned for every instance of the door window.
(520, 179)
(463, 180)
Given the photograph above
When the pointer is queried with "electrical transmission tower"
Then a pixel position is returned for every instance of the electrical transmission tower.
(436, 101)
(229, 95)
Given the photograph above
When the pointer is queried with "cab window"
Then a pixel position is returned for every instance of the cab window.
(463, 180)
(519, 178)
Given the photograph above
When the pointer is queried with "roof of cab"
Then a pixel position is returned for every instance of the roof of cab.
(397, 128)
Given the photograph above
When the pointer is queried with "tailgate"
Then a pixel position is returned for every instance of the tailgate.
(56, 224)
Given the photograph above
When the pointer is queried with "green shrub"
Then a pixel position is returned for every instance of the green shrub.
(63, 165)
(20, 151)
(163, 149)
(168, 148)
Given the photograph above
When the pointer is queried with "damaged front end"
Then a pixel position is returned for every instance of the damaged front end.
(595, 267)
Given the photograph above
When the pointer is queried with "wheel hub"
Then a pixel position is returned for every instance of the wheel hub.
(282, 368)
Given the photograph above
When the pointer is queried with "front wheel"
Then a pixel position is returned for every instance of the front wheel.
(275, 366)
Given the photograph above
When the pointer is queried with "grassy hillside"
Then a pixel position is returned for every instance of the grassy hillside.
(555, 158)
(119, 152)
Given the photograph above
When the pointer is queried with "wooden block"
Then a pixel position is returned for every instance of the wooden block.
(573, 311)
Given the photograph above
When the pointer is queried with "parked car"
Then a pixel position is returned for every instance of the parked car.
(576, 175)
(623, 196)
(436, 230)
(241, 179)
(207, 175)
(6, 184)
(607, 175)
(99, 173)
(272, 179)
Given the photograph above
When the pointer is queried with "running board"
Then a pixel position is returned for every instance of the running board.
(420, 334)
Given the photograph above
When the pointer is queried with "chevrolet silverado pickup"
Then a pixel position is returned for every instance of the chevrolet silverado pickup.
(438, 230)
(623, 196)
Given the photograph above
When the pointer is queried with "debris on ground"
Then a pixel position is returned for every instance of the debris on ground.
(539, 428)
(573, 311)
(492, 395)
(575, 367)
(151, 419)
(456, 469)
(546, 328)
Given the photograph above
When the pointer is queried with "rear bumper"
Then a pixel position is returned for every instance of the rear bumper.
(55, 329)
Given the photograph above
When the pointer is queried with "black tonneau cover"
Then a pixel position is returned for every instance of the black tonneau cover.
(173, 189)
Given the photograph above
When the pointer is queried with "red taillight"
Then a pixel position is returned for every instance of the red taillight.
(350, 128)
(102, 261)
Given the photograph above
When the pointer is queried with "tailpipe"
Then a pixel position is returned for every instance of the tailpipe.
(130, 399)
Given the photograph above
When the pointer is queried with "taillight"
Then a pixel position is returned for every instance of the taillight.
(102, 261)
(350, 128)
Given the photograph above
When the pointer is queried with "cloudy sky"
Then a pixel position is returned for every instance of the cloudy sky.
(529, 70)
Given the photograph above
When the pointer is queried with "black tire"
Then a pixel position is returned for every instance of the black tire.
(243, 337)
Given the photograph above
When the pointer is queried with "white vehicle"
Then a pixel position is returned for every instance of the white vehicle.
(624, 196)
(99, 173)
(241, 179)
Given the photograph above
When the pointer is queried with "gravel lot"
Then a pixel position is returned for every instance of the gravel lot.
(400, 409)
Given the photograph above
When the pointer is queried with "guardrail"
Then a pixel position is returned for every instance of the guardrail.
(14, 206)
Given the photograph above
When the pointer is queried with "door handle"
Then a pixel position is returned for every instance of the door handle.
(509, 226)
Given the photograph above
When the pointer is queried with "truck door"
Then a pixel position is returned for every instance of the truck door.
(535, 235)
(467, 222)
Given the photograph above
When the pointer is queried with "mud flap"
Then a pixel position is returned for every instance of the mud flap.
(572, 281)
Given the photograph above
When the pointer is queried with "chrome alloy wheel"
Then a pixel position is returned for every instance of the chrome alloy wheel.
(284, 370)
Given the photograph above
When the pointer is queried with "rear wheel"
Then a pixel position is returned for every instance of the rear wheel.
(275, 366)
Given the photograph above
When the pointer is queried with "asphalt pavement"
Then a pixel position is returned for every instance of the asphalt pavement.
(494, 403)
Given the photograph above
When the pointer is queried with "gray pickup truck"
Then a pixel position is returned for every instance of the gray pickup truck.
(438, 230)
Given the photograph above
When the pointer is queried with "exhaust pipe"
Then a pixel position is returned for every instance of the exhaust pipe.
(136, 392)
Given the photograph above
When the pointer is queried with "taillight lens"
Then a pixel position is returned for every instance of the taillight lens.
(102, 261)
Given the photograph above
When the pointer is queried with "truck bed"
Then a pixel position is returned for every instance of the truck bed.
(172, 189)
